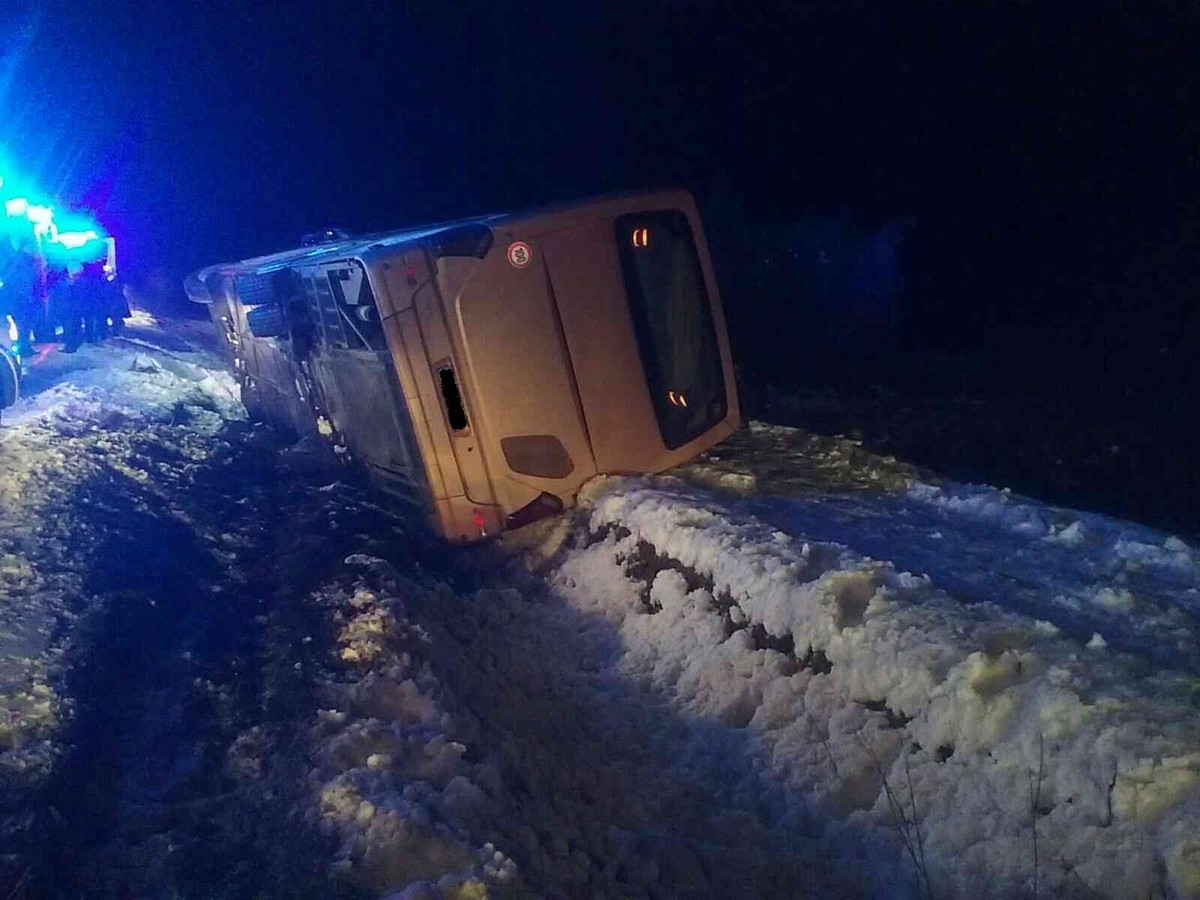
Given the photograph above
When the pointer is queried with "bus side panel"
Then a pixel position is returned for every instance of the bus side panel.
(421, 394)
(421, 345)
(405, 341)
(276, 386)
(444, 363)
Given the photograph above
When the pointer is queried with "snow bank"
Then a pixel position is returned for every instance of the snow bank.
(1101, 580)
(133, 379)
(777, 460)
(1118, 583)
(1128, 545)
(1010, 757)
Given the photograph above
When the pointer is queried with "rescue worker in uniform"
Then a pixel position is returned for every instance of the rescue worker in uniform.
(24, 292)
(87, 305)
(109, 308)
(10, 376)
(66, 302)
(95, 305)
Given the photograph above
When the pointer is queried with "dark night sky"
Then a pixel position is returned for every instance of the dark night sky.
(1043, 149)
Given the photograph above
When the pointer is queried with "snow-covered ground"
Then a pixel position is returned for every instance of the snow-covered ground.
(789, 669)
(963, 699)
(76, 426)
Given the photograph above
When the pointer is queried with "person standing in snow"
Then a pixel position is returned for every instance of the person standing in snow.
(94, 304)
(24, 290)
(10, 279)
(87, 305)
(66, 303)
(10, 379)
(110, 307)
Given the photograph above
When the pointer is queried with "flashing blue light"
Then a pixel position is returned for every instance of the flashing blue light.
(70, 234)
(42, 219)
(39, 215)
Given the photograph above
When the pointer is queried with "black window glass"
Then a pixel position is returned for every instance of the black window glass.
(672, 317)
(455, 411)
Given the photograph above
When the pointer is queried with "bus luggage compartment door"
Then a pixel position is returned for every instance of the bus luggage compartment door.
(456, 406)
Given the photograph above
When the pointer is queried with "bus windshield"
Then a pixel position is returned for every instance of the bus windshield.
(673, 321)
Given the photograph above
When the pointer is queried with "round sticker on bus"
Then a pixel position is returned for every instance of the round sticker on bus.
(519, 254)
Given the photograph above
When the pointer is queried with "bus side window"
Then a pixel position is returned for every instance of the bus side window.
(356, 304)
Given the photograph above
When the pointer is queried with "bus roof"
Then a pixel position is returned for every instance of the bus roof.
(358, 245)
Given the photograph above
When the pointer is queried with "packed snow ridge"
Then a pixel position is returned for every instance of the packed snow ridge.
(1002, 755)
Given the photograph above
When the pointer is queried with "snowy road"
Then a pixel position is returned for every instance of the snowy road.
(794, 670)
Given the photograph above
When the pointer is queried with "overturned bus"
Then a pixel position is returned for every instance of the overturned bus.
(487, 368)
